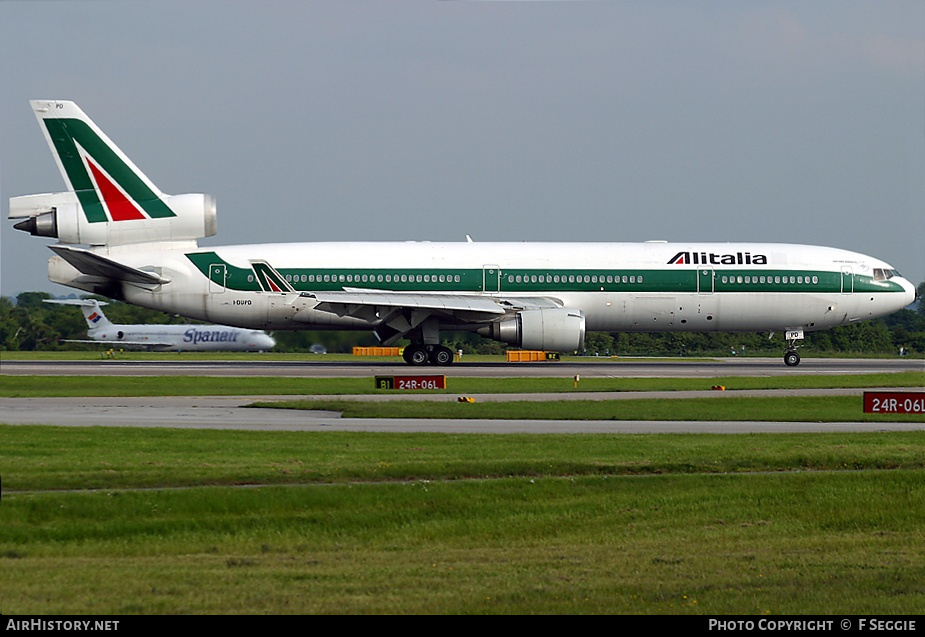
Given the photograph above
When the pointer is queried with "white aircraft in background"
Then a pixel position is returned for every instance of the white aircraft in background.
(166, 338)
(141, 247)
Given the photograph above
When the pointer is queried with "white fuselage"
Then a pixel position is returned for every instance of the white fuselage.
(186, 338)
(532, 295)
(653, 286)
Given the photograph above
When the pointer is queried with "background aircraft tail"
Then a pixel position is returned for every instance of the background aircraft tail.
(92, 312)
(109, 200)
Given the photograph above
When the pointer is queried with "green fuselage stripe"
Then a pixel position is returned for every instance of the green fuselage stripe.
(554, 281)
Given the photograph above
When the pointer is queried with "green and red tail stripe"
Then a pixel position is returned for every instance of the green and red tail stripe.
(108, 186)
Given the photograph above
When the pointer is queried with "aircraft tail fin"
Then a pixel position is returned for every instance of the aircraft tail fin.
(91, 309)
(92, 165)
(109, 200)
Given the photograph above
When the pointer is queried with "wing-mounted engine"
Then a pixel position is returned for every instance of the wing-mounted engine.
(65, 217)
(554, 329)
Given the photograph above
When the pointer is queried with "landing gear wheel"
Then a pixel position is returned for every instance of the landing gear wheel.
(415, 354)
(441, 355)
(791, 359)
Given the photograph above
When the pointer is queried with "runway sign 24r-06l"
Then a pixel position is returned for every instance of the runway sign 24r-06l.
(894, 402)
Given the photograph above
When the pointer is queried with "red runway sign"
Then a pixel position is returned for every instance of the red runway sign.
(894, 402)
(411, 382)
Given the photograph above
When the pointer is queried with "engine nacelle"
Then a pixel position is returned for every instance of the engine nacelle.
(63, 217)
(553, 329)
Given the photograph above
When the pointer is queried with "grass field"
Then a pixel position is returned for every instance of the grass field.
(166, 521)
(121, 521)
(26, 386)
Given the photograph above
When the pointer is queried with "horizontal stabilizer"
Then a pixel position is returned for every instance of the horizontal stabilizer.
(78, 302)
(148, 344)
(97, 265)
(26, 206)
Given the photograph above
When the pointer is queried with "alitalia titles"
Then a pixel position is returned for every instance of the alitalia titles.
(712, 258)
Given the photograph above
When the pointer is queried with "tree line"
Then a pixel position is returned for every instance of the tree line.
(27, 324)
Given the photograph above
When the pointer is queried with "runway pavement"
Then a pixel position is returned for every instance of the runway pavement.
(216, 412)
(227, 412)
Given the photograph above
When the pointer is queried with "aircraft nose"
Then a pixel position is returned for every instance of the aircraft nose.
(908, 292)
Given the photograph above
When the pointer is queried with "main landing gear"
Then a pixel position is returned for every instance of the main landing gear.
(791, 358)
(421, 354)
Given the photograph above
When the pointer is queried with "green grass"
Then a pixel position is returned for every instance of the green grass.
(432, 523)
(666, 544)
(98, 520)
(26, 386)
(45, 458)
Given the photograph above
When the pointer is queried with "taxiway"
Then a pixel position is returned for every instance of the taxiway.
(229, 412)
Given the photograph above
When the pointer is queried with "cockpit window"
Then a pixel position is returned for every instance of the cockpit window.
(882, 274)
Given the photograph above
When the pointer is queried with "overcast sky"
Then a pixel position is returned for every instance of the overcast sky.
(794, 122)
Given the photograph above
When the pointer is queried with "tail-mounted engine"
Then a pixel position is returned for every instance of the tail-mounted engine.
(64, 217)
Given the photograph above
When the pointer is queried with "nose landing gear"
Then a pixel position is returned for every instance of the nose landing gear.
(792, 357)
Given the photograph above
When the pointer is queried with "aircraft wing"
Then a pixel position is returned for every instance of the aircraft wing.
(351, 301)
(393, 314)
(346, 303)
(97, 265)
